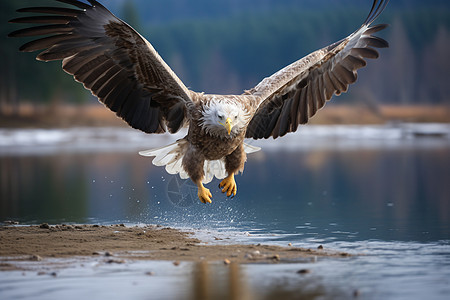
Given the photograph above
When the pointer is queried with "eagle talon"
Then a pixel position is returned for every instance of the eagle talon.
(204, 194)
(229, 185)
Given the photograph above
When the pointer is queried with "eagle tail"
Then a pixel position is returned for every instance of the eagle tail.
(172, 155)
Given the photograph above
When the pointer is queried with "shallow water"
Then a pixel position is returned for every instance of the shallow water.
(381, 191)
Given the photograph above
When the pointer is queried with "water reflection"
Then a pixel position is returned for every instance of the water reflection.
(387, 198)
(215, 281)
(359, 193)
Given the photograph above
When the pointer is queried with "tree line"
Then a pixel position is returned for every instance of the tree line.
(234, 52)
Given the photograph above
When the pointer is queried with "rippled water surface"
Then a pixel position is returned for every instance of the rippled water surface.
(381, 191)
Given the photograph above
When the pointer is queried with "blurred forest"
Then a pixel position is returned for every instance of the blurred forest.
(226, 46)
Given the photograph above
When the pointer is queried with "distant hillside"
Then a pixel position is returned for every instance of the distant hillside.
(226, 46)
(168, 10)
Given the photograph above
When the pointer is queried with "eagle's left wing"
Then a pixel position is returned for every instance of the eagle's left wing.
(294, 94)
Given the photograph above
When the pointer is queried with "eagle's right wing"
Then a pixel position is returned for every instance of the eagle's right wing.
(112, 60)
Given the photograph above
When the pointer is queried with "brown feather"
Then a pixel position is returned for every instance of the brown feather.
(52, 10)
(365, 52)
(303, 112)
(46, 42)
(42, 30)
(44, 20)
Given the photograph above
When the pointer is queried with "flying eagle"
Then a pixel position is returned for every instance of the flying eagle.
(125, 72)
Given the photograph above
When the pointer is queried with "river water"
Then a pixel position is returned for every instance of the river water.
(382, 192)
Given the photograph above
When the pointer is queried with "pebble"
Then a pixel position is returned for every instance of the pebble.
(115, 261)
(320, 247)
(276, 257)
(150, 273)
(176, 263)
(226, 261)
(42, 273)
(35, 258)
(107, 253)
(304, 271)
(290, 244)
(44, 226)
(248, 256)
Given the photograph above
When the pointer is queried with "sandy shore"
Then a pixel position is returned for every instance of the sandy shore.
(143, 242)
(28, 116)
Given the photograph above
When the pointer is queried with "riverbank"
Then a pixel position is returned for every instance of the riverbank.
(119, 242)
(28, 116)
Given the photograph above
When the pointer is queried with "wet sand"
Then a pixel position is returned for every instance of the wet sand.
(148, 242)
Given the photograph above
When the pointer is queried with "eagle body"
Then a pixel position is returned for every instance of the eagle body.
(123, 70)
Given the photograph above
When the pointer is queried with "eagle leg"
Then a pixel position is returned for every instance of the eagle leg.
(229, 185)
(203, 193)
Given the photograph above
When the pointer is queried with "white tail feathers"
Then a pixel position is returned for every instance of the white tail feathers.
(172, 155)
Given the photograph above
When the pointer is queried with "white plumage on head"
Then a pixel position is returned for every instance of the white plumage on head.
(216, 112)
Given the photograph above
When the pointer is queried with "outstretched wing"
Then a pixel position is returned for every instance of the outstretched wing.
(112, 60)
(294, 94)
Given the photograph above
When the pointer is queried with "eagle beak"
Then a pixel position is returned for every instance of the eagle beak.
(228, 125)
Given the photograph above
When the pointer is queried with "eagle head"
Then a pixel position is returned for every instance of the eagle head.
(224, 118)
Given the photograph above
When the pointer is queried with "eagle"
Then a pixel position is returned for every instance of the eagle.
(123, 70)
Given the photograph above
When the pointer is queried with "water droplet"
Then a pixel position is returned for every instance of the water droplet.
(93, 180)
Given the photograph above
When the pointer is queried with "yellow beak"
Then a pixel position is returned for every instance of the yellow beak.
(228, 125)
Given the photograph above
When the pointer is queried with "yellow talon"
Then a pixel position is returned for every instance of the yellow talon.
(229, 185)
(204, 194)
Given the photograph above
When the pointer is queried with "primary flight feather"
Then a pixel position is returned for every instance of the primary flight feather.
(125, 72)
